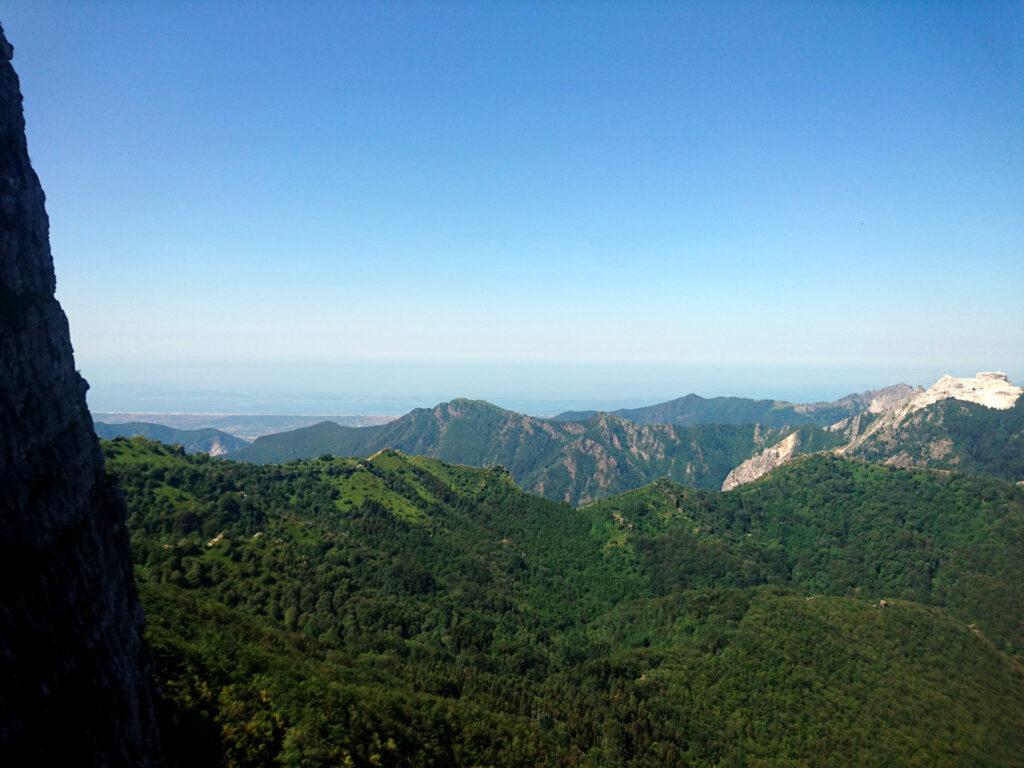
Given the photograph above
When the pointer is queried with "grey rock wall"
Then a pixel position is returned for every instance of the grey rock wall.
(74, 688)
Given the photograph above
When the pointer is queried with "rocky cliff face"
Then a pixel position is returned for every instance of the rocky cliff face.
(763, 462)
(73, 683)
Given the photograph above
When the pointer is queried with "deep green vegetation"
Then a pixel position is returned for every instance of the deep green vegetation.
(836, 527)
(402, 611)
(693, 409)
(954, 434)
(565, 461)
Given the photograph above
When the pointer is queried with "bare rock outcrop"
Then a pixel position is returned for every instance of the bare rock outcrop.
(887, 398)
(763, 462)
(989, 389)
(992, 389)
(873, 401)
(74, 689)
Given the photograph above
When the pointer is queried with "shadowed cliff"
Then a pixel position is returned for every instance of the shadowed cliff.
(73, 683)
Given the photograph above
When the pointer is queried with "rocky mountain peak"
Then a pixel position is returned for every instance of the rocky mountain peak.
(992, 389)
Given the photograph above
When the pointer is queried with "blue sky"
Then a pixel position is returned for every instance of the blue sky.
(735, 195)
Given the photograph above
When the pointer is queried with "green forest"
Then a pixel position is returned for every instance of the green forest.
(402, 611)
(561, 460)
(957, 435)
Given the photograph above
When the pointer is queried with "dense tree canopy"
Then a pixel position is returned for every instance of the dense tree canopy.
(402, 611)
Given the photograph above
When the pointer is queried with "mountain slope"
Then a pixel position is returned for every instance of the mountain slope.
(973, 424)
(807, 439)
(568, 461)
(970, 425)
(211, 441)
(693, 409)
(834, 526)
(402, 611)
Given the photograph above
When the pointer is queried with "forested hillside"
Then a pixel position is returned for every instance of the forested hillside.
(565, 461)
(693, 409)
(403, 611)
(952, 434)
(831, 526)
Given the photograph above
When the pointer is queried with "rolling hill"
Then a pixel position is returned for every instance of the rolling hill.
(836, 526)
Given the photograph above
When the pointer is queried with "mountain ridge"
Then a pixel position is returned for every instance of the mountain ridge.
(604, 453)
(972, 424)
(694, 409)
(207, 440)
(569, 461)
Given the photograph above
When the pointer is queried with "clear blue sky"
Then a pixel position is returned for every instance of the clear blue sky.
(833, 190)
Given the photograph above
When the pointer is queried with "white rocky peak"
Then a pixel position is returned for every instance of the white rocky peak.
(991, 389)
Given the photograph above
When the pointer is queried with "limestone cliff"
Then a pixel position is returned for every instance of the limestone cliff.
(73, 683)
(763, 462)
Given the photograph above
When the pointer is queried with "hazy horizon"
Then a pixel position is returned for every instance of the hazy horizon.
(377, 388)
(834, 192)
